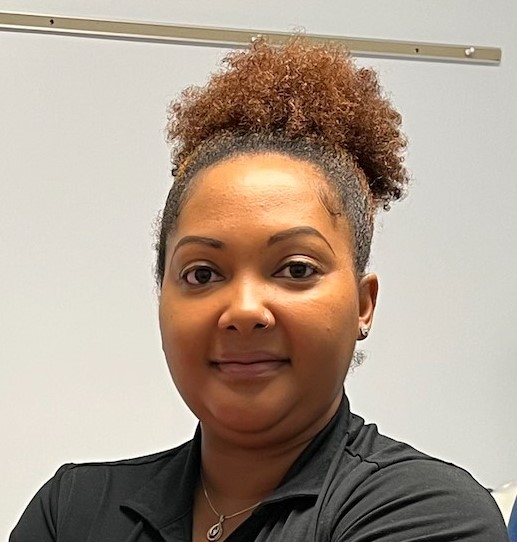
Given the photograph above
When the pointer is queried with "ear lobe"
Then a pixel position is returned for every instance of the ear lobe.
(368, 289)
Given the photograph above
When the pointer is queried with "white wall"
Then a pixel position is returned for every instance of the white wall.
(83, 172)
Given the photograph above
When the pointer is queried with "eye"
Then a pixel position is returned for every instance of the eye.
(200, 275)
(297, 270)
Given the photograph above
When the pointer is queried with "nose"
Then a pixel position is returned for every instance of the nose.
(246, 309)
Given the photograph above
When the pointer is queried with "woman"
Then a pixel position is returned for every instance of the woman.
(281, 164)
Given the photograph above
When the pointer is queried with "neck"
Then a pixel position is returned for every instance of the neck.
(238, 476)
(243, 476)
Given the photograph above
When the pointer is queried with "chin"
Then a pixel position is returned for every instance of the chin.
(244, 416)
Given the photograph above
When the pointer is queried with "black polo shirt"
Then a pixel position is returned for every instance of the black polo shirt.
(350, 484)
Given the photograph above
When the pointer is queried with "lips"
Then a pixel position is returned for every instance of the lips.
(248, 357)
(245, 365)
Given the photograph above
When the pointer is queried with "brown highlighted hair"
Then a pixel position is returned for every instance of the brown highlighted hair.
(307, 101)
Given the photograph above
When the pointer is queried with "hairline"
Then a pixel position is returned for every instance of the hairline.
(325, 162)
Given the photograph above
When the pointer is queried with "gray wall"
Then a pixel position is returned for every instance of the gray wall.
(83, 173)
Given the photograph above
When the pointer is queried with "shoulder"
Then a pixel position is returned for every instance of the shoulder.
(412, 499)
(425, 480)
(118, 476)
(396, 493)
(78, 489)
(143, 466)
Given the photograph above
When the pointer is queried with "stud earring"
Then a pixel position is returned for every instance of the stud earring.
(364, 331)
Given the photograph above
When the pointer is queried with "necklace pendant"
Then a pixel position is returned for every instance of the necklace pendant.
(216, 531)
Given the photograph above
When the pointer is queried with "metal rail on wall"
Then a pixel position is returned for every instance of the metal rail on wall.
(237, 38)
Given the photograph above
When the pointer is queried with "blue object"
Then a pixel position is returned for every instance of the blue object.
(512, 525)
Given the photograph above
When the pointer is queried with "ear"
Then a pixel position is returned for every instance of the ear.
(368, 289)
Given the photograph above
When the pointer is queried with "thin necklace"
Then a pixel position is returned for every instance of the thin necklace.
(216, 531)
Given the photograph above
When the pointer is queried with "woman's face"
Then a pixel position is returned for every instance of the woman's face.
(260, 307)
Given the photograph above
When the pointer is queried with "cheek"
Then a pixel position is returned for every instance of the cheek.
(182, 319)
(181, 346)
(181, 329)
(327, 326)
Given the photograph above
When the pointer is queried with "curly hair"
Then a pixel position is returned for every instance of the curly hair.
(307, 101)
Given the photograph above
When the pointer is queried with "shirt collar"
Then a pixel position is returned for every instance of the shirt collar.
(167, 498)
(307, 474)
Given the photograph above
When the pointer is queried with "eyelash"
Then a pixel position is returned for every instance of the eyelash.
(314, 269)
(310, 266)
(187, 272)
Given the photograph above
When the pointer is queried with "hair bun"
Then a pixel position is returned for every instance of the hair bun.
(300, 90)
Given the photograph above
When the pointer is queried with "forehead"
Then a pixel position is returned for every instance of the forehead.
(267, 187)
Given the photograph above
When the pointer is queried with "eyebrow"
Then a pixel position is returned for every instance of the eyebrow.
(276, 238)
(293, 232)
(197, 239)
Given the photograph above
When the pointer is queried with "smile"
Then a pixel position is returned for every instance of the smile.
(250, 369)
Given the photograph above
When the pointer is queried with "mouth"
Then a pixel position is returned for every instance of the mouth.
(249, 365)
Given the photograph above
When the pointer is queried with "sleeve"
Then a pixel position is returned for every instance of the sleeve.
(420, 500)
(39, 521)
